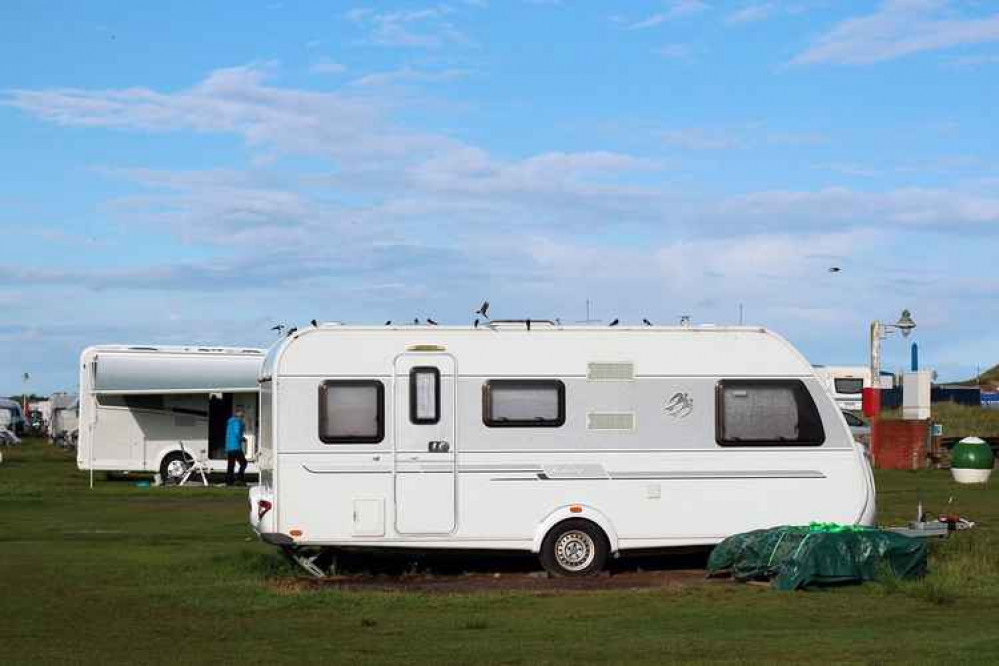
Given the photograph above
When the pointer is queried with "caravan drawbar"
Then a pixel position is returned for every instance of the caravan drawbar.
(574, 443)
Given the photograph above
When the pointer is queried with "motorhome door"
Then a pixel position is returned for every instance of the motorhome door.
(425, 460)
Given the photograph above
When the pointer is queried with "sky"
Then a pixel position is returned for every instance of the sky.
(196, 173)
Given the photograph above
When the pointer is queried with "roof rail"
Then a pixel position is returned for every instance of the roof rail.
(497, 324)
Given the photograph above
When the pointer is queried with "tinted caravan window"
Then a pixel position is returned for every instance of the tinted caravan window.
(424, 395)
(766, 413)
(523, 403)
(352, 411)
(849, 385)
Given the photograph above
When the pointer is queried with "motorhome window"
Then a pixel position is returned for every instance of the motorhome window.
(849, 385)
(424, 395)
(351, 411)
(766, 413)
(523, 403)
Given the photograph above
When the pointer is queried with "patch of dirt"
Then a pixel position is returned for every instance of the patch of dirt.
(429, 574)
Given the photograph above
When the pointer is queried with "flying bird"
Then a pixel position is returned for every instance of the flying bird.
(484, 310)
(388, 323)
(835, 269)
(615, 322)
(278, 328)
(646, 322)
(431, 321)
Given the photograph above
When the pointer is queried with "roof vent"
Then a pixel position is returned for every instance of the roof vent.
(621, 372)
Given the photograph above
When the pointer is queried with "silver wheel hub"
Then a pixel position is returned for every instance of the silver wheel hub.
(575, 550)
(175, 469)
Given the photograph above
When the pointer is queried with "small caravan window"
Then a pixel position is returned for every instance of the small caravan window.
(352, 411)
(424, 395)
(523, 403)
(849, 385)
(754, 412)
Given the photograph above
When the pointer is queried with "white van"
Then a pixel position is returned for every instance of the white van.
(148, 409)
(571, 442)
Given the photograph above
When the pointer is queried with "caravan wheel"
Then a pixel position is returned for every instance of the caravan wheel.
(574, 548)
(174, 466)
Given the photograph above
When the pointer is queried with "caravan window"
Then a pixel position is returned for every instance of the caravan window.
(352, 411)
(523, 403)
(424, 395)
(849, 385)
(752, 412)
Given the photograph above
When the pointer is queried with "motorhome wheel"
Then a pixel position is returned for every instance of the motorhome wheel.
(174, 466)
(574, 548)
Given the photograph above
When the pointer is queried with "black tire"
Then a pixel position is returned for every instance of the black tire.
(573, 548)
(168, 461)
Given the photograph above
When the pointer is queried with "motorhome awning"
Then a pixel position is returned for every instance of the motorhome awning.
(175, 373)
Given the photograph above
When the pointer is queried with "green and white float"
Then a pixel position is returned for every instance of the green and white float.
(972, 461)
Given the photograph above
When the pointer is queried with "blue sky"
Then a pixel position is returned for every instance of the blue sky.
(198, 172)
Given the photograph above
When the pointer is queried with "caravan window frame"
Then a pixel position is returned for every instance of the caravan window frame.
(379, 387)
(487, 402)
(807, 410)
(413, 388)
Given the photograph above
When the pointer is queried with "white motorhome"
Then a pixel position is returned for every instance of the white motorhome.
(571, 442)
(148, 409)
(11, 416)
(846, 384)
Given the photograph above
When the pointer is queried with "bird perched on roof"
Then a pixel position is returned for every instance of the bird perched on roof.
(646, 322)
(483, 310)
(476, 324)
(431, 321)
(388, 323)
(416, 320)
(278, 328)
(314, 322)
(291, 331)
(615, 322)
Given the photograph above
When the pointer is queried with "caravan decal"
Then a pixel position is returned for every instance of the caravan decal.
(679, 406)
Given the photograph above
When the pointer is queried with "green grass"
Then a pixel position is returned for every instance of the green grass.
(961, 420)
(123, 574)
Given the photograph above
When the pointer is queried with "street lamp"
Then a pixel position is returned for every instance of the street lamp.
(879, 331)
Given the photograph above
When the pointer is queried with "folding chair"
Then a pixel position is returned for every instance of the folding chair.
(200, 465)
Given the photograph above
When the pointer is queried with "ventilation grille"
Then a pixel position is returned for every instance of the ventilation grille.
(610, 371)
(610, 421)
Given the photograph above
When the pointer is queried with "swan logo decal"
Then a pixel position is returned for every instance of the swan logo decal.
(679, 406)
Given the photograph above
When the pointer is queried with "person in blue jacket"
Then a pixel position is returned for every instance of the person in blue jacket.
(234, 447)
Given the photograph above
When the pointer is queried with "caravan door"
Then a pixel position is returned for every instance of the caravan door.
(425, 459)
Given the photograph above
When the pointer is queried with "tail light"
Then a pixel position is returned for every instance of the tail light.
(263, 506)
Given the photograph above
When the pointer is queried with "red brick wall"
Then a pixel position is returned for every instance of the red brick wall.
(899, 444)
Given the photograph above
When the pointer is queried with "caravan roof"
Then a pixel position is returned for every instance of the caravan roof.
(129, 369)
(543, 350)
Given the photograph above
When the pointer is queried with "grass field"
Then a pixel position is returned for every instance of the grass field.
(960, 420)
(123, 574)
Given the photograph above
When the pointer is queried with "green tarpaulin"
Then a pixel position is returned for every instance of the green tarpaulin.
(796, 557)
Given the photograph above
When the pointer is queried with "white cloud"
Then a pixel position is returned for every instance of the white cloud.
(425, 28)
(899, 28)
(674, 52)
(695, 138)
(410, 75)
(751, 14)
(677, 9)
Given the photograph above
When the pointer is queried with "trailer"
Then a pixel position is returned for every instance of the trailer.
(12, 417)
(157, 409)
(64, 416)
(846, 383)
(575, 443)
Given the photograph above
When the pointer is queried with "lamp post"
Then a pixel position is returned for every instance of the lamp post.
(872, 394)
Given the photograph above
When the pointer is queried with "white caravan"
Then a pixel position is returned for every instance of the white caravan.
(146, 409)
(64, 414)
(11, 417)
(846, 384)
(571, 442)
